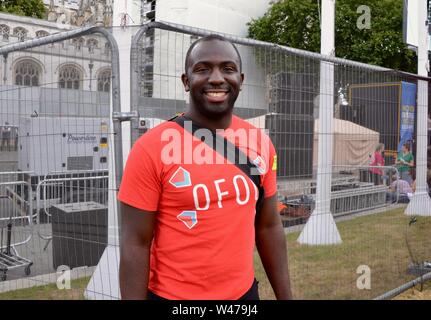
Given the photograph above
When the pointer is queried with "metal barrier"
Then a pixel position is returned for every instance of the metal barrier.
(59, 92)
(281, 94)
(20, 217)
(74, 194)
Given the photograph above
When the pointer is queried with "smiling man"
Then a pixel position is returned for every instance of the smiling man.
(188, 230)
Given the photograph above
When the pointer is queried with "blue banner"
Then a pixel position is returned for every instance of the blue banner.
(407, 113)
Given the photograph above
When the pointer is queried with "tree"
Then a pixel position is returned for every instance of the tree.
(29, 8)
(296, 23)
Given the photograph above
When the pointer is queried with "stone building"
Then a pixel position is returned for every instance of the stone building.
(81, 63)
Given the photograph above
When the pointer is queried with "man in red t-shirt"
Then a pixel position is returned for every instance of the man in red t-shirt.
(189, 222)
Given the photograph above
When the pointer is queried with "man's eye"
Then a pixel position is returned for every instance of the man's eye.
(229, 69)
(201, 69)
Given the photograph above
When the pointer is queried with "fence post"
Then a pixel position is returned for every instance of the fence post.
(108, 266)
(320, 227)
(420, 204)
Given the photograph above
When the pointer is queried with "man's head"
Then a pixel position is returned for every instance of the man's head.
(213, 76)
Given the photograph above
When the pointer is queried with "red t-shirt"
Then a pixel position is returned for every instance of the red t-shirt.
(204, 234)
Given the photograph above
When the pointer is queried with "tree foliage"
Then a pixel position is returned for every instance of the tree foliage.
(296, 23)
(29, 8)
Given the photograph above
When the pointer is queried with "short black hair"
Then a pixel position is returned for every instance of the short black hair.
(211, 37)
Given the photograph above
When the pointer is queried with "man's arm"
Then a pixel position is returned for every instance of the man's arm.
(137, 228)
(411, 163)
(271, 245)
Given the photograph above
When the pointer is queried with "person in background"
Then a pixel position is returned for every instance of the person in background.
(404, 163)
(377, 160)
(401, 189)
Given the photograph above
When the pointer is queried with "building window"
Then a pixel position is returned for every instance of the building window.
(4, 32)
(27, 73)
(20, 33)
(91, 44)
(78, 43)
(107, 49)
(70, 77)
(41, 34)
(104, 81)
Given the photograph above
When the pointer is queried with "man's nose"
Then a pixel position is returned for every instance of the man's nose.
(216, 77)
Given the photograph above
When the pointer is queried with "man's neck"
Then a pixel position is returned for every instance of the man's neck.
(212, 124)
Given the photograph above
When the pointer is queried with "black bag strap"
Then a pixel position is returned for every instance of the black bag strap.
(234, 154)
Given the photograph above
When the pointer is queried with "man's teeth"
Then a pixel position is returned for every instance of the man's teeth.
(216, 94)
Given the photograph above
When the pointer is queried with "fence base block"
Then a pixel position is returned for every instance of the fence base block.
(104, 284)
(320, 229)
(419, 205)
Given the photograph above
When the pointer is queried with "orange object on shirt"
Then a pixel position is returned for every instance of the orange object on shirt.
(204, 234)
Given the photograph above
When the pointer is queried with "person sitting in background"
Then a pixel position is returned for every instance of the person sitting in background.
(404, 163)
(401, 189)
(377, 160)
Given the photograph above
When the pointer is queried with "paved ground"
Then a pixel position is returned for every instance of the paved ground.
(37, 250)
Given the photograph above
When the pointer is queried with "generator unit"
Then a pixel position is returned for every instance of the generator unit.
(48, 144)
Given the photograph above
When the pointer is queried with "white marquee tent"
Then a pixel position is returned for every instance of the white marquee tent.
(352, 143)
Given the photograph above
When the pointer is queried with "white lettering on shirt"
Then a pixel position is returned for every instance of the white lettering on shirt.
(196, 198)
(247, 189)
(219, 193)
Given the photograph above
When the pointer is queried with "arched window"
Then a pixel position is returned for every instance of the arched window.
(20, 33)
(41, 34)
(104, 80)
(78, 43)
(4, 32)
(91, 44)
(70, 77)
(107, 49)
(27, 73)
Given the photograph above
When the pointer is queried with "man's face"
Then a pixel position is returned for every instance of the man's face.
(213, 78)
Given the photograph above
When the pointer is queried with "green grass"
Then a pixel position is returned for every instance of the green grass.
(378, 241)
(49, 292)
(324, 272)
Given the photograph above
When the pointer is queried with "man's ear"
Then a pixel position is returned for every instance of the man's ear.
(185, 81)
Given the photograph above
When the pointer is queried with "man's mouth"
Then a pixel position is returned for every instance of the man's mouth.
(216, 96)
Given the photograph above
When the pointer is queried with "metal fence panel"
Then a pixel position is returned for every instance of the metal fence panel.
(57, 95)
(281, 95)
(56, 99)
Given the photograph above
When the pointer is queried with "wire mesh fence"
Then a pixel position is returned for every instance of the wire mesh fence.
(55, 108)
(56, 133)
(374, 116)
